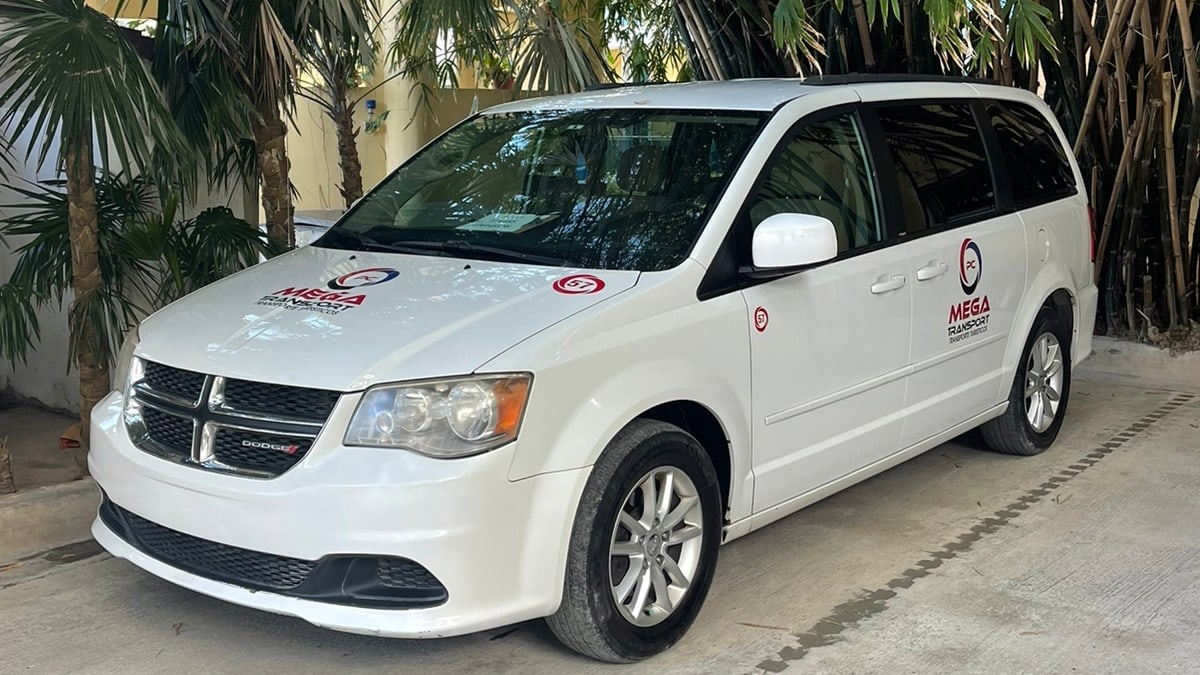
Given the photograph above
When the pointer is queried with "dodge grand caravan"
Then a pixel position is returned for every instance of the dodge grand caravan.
(574, 344)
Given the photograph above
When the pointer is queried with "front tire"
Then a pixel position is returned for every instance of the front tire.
(1037, 401)
(643, 546)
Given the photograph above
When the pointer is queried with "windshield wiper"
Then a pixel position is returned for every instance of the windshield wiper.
(363, 242)
(489, 252)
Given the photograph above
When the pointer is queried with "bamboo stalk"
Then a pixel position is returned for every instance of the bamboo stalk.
(1183, 9)
(1085, 27)
(1122, 95)
(1133, 147)
(1126, 7)
(864, 34)
(1080, 19)
(1006, 70)
(906, 20)
(1168, 88)
(700, 35)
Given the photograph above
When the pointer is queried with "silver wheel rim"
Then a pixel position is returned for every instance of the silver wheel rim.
(655, 547)
(1043, 382)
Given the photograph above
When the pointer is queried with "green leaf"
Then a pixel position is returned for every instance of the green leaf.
(1029, 28)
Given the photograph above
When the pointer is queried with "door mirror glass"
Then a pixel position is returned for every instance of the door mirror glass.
(790, 240)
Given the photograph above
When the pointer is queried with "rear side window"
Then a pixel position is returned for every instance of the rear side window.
(941, 167)
(1037, 163)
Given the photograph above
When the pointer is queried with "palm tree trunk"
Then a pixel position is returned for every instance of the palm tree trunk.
(343, 121)
(270, 140)
(85, 278)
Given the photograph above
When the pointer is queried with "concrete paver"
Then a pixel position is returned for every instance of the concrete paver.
(1085, 557)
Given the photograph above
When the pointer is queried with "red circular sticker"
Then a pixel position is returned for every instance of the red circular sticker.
(579, 284)
(760, 319)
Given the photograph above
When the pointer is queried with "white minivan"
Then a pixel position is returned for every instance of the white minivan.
(574, 344)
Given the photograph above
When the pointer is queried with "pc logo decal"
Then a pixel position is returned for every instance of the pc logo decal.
(970, 266)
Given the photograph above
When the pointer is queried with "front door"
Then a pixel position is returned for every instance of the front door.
(829, 345)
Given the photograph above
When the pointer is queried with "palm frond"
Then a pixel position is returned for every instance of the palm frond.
(72, 76)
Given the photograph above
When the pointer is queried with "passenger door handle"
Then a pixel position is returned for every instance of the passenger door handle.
(933, 270)
(886, 284)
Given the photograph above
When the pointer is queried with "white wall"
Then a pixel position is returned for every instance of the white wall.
(45, 376)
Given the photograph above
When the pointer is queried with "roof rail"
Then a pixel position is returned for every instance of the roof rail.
(872, 78)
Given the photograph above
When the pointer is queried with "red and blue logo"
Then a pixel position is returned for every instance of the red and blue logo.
(371, 276)
(970, 266)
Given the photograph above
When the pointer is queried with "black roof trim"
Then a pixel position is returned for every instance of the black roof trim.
(873, 78)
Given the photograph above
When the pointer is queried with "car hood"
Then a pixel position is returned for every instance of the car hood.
(346, 320)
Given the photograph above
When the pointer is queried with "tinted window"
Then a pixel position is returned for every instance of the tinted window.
(941, 166)
(823, 171)
(603, 189)
(1037, 163)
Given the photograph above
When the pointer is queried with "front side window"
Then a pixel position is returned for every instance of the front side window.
(823, 171)
(941, 167)
(601, 189)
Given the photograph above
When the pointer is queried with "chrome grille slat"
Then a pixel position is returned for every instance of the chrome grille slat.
(256, 436)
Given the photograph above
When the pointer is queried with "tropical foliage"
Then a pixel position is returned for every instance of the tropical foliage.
(148, 257)
(74, 83)
(248, 53)
(340, 57)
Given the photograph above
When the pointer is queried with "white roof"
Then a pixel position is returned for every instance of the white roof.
(758, 94)
(765, 94)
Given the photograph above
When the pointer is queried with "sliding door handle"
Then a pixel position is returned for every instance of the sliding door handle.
(933, 270)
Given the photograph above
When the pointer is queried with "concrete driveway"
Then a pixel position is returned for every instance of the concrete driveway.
(1084, 558)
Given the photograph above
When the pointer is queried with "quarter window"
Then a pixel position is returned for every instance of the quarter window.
(823, 171)
(941, 166)
(1037, 163)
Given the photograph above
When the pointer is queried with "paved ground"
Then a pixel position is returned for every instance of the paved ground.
(33, 442)
(1085, 558)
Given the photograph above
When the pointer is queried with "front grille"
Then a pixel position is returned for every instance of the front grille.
(401, 573)
(277, 400)
(231, 426)
(171, 433)
(204, 557)
(258, 452)
(177, 382)
(359, 580)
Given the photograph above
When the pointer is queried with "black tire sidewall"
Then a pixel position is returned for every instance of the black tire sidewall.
(665, 448)
(1046, 322)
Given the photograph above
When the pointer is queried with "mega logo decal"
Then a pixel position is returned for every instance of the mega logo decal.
(969, 317)
(372, 276)
(334, 301)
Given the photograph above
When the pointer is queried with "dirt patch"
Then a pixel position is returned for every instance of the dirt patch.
(33, 447)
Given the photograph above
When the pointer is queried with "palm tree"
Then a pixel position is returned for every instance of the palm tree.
(256, 46)
(76, 85)
(338, 56)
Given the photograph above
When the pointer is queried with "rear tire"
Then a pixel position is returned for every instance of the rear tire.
(636, 576)
(1037, 400)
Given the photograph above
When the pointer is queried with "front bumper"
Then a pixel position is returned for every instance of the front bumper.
(498, 546)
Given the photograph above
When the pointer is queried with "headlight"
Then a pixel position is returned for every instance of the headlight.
(442, 418)
(120, 374)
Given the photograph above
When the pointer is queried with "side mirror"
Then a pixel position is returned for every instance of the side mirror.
(785, 242)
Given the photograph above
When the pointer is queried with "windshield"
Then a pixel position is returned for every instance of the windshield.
(602, 189)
